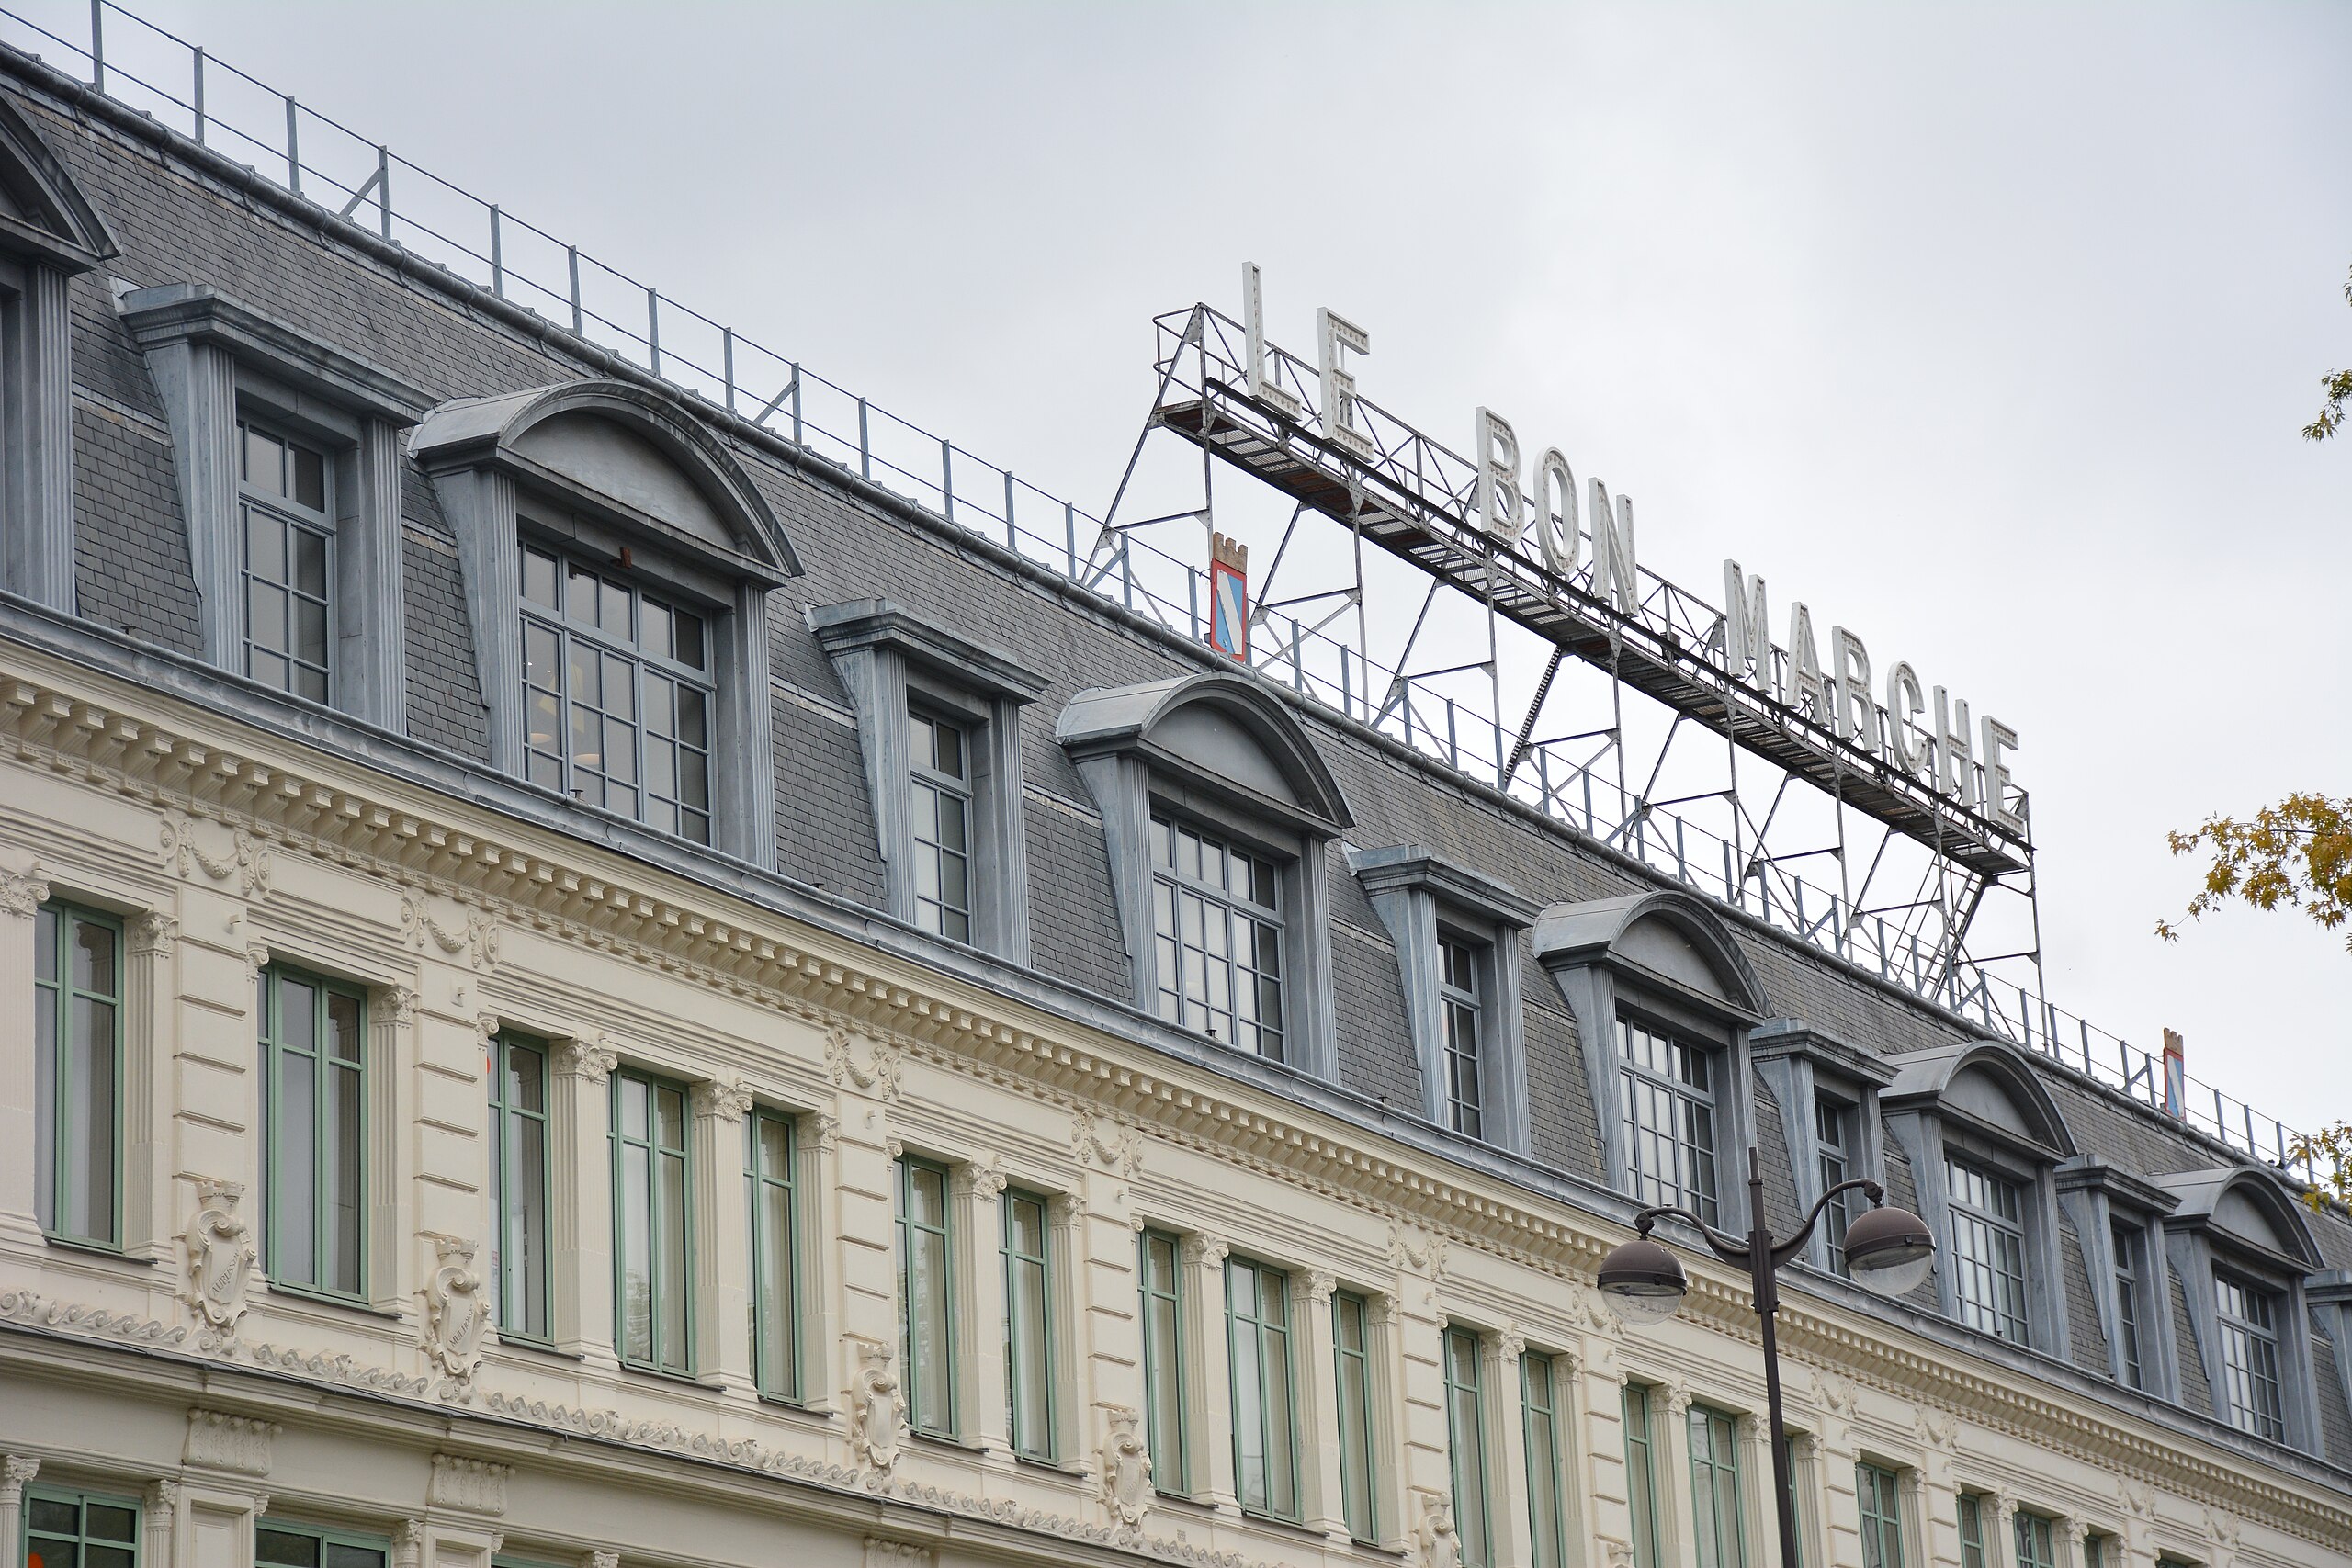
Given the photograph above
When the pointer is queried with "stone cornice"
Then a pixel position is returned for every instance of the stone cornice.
(159, 751)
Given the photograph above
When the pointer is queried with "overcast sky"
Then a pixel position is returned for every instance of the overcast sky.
(1989, 332)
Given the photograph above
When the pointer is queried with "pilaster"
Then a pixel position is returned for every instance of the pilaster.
(722, 1258)
(976, 1241)
(1318, 1419)
(39, 545)
(15, 1469)
(1211, 1393)
(1067, 1253)
(21, 897)
(150, 942)
(580, 1197)
(1510, 1529)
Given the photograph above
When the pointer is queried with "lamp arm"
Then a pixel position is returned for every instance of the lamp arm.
(1726, 1247)
(1785, 1251)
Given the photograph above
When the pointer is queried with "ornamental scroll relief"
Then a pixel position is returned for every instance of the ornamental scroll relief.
(220, 1258)
(455, 1314)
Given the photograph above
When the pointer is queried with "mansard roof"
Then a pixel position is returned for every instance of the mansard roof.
(1212, 724)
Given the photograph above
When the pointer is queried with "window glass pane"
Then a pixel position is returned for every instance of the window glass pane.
(340, 1555)
(285, 1548)
(310, 478)
(1640, 1479)
(540, 579)
(1466, 1443)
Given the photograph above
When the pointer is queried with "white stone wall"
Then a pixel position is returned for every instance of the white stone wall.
(224, 850)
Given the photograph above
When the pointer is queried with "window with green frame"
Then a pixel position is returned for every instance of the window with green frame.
(77, 1074)
(926, 1297)
(1971, 1530)
(518, 1163)
(280, 1545)
(314, 1092)
(653, 1225)
(1465, 1443)
(1714, 1490)
(2037, 1541)
(1159, 1264)
(1352, 1377)
(1641, 1477)
(1539, 1406)
(1876, 1489)
(79, 1529)
(1265, 1416)
(769, 1151)
(1028, 1326)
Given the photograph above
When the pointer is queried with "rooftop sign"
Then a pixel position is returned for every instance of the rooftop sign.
(1561, 559)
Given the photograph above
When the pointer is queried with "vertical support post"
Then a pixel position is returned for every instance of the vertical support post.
(571, 255)
(98, 44)
(946, 479)
(199, 95)
(864, 452)
(293, 149)
(497, 256)
(795, 405)
(1069, 536)
(384, 188)
(653, 326)
(726, 363)
(1010, 542)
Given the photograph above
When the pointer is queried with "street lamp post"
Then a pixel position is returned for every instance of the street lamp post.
(1887, 1250)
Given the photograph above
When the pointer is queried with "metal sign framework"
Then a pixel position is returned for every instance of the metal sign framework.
(1415, 499)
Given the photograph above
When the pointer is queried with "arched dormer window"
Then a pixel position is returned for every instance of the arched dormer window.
(48, 234)
(2242, 1249)
(617, 563)
(1983, 1134)
(1664, 1000)
(1219, 814)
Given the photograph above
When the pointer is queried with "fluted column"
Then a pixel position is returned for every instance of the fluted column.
(150, 942)
(1318, 1411)
(15, 1470)
(977, 1241)
(1211, 1351)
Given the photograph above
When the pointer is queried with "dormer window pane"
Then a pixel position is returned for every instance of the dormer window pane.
(2127, 1303)
(2250, 1358)
(1219, 937)
(1459, 1001)
(942, 826)
(287, 536)
(635, 727)
(1831, 1125)
(1989, 1252)
(1669, 1119)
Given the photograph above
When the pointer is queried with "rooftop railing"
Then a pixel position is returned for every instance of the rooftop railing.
(182, 87)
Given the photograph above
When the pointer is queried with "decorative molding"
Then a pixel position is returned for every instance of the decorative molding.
(1433, 1535)
(396, 1005)
(1207, 1251)
(1065, 1210)
(218, 1439)
(603, 1557)
(23, 892)
(985, 1182)
(151, 935)
(730, 1101)
(474, 1485)
(885, 1553)
(15, 1470)
(26, 1306)
(456, 1314)
(408, 1544)
(825, 1130)
(876, 1412)
(1509, 1346)
(340, 1369)
(1112, 1145)
(1410, 1248)
(247, 863)
(1677, 1401)
(1125, 1466)
(476, 935)
(217, 1258)
(592, 1062)
(880, 1077)
(1319, 1288)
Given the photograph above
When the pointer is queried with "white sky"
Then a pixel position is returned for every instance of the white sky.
(1987, 331)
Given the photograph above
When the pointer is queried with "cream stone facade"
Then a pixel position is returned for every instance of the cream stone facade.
(228, 837)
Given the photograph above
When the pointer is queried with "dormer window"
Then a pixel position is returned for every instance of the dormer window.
(288, 455)
(1826, 1091)
(618, 561)
(1664, 1002)
(2245, 1254)
(1985, 1137)
(48, 234)
(939, 725)
(1458, 946)
(1218, 815)
(617, 691)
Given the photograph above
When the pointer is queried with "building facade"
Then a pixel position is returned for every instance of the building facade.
(606, 991)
